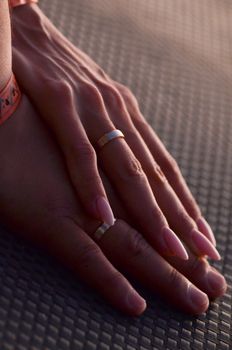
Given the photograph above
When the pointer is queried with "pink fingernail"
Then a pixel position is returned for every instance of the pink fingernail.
(105, 211)
(173, 244)
(204, 227)
(203, 246)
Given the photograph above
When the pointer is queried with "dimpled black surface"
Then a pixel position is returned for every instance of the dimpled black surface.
(176, 57)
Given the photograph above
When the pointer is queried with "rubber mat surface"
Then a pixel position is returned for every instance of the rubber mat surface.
(176, 57)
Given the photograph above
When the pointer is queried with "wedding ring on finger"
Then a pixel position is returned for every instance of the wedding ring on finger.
(109, 136)
(101, 230)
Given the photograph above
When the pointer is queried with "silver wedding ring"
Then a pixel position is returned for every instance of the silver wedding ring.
(109, 136)
(101, 230)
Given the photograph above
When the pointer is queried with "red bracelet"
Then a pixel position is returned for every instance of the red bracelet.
(14, 3)
(10, 97)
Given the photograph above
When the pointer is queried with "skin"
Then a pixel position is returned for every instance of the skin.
(5, 44)
(80, 103)
(38, 200)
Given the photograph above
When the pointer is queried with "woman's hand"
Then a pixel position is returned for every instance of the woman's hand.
(81, 103)
(38, 200)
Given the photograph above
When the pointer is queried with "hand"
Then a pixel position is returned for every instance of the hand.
(81, 103)
(38, 200)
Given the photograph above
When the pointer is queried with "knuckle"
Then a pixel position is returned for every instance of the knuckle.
(174, 278)
(156, 175)
(86, 255)
(101, 73)
(89, 94)
(171, 168)
(111, 96)
(83, 152)
(125, 91)
(89, 68)
(132, 170)
(135, 243)
(128, 96)
(60, 89)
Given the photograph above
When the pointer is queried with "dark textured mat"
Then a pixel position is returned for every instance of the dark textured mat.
(176, 57)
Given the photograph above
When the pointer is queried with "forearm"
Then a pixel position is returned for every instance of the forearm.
(5, 44)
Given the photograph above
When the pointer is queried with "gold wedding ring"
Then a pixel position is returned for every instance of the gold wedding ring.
(101, 230)
(109, 136)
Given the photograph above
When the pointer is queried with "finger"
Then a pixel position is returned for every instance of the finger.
(166, 162)
(197, 270)
(110, 97)
(204, 276)
(126, 174)
(168, 201)
(127, 249)
(54, 99)
(175, 178)
(70, 244)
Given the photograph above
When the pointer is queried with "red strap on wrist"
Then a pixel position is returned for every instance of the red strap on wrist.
(10, 97)
(14, 3)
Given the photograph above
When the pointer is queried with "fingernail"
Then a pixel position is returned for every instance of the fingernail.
(105, 211)
(173, 244)
(198, 299)
(203, 246)
(204, 227)
(216, 281)
(135, 302)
